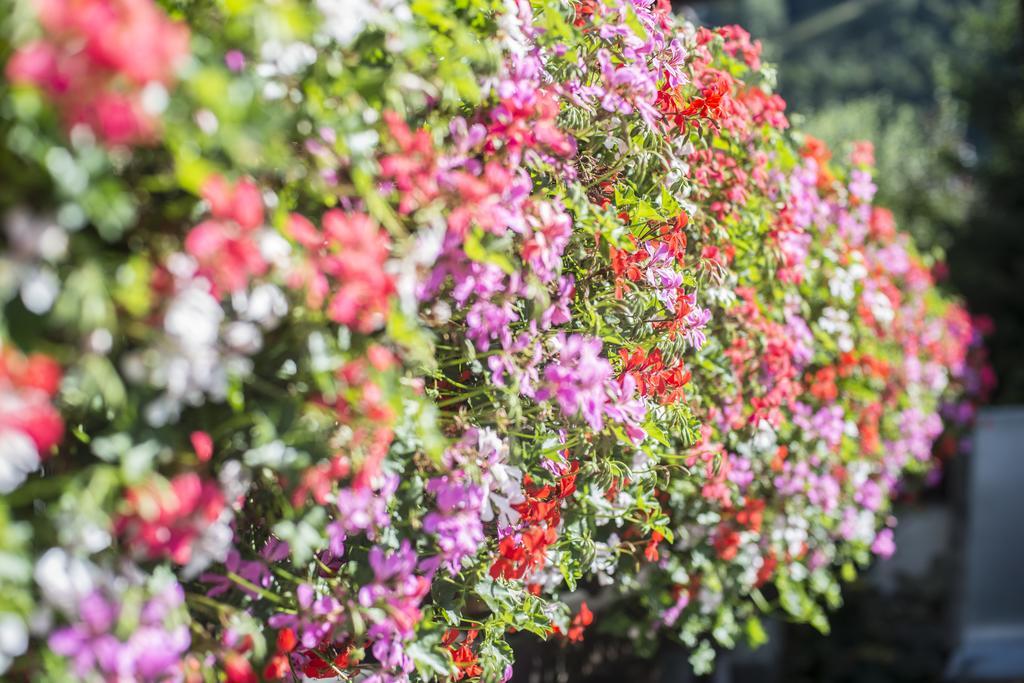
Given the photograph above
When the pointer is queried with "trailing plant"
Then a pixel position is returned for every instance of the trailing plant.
(342, 339)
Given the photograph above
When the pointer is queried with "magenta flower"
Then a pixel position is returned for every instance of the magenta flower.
(456, 520)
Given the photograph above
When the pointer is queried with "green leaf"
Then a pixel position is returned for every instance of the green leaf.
(756, 635)
(430, 661)
(476, 251)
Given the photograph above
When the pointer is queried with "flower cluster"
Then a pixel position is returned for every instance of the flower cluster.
(350, 337)
(91, 62)
(30, 425)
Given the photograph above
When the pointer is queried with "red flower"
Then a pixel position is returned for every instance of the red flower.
(277, 668)
(237, 669)
(319, 480)
(462, 655)
(780, 457)
(38, 419)
(767, 569)
(540, 515)
(816, 149)
(883, 225)
(37, 372)
(240, 203)
(863, 153)
(286, 640)
(651, 551)
(765, 108)
(727, 542)
(751, 516)
(823, 385)
(29, 383)
(652, 377)
(414, 168)
(320, 664)
(583, 619)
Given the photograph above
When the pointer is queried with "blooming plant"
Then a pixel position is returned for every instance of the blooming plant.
(342, 339)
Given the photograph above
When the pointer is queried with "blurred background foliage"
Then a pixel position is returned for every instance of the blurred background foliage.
(938, 86)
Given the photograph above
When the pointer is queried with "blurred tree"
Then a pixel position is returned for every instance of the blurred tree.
(987, 256)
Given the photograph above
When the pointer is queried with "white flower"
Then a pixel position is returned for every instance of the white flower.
(243, 337)
(265, 305)
(503, 488)
(344, 20)
(13, 639)
(18, 458)
(39, 289)
(764, 439)
(155, 98)
(502, 484)
(274, 249)
(880, 306)
(198, 353)
(836, 323)
(364, 142)
(33, 237)
(856, 268)
(284, 59)
(605, 560)
(212, 545)
(33, 243)
(193, 318)
(273, 455)
(841, 285)
(64, 579)
(863, 527)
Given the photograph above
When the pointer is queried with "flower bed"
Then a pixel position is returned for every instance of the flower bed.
(344, 339)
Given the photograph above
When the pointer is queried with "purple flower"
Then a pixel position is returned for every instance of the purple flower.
(316, 621)
(626, 408)
(861, 186)
(487, 321)
(696, 321)
(234, 60)
(501, 484)
(254, 571)
(671, 615)
(578, 379)
(457, 519)
(884, 545)
(152, 652)
(870, 495)
(740, 472)
(360, 510)
(397, 587)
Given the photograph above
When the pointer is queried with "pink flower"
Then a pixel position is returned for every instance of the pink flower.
(241, 203)
(344, 266)
(884, 545)
(36, 417)
(95, 59)
(36, 63)
(226, 254)
(163, 519)
(202, 444)
(225, 246)
(119, 119)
